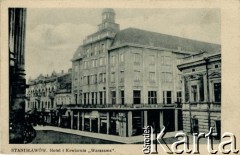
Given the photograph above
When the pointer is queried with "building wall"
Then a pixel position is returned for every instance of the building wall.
(92, 67)
(156, 72)
(41, 95)
(62, 99)
(202, 92)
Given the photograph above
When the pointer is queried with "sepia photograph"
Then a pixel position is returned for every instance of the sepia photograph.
(93, 80)
(149, 77)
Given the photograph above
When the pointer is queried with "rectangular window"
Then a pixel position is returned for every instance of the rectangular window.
(152, 97)
(96, 50)
(95, 78)
(88, 96)
(195, 125)
(217, 92)
(167, 97)
(152, 77)
(104, 60)
(93, 63)
(136, 97)
(104, 98)
(112, 77)
(121, 58)
(136, 58)
(100, 77)
(80, 98)
(88, 52)
(194, 93)
(152, 60)
(84, 98)
(81, 81)
(166, 60)
(179, 97)
(92, 52)
(103, 47)
(104, 77)
(121, 76)
(137, 76)
(100, 62)
(113, 93)
(113, 60)
(96, 102)
(101, 97)
(92, 97)
(122, 97)
(88, 80)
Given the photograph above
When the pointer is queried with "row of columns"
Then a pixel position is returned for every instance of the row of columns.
(129, 121)
(90, 123)
(161, 119)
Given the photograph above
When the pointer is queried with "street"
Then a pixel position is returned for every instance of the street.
(54, 137)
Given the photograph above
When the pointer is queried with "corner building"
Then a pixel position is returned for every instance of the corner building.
(202, 93)
(126, 79)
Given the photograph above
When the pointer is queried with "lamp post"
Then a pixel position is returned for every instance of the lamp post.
(206, 59)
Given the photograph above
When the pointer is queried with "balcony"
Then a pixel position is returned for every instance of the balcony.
(203, 106)
(122, 106)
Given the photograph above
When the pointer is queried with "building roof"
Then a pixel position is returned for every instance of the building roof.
(148, 38)
(199, 59)
(78, 53)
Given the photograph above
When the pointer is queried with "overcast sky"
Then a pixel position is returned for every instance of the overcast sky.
(53, 35)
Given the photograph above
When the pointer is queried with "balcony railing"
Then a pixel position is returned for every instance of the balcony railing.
(121, 106)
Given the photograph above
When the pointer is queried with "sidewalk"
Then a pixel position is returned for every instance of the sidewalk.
(126, 140)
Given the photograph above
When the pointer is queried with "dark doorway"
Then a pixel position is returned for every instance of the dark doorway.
(218, 129)
(195, 125)
(168, 119)
(154, 119)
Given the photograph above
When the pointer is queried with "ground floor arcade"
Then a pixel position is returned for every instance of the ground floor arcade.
(125, 123)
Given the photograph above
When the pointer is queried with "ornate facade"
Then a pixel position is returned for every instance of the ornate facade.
(202, 92)
(47, 94)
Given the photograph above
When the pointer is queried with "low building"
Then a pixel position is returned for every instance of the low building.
(201, 87)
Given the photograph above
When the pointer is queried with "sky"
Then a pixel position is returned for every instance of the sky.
(53, 35)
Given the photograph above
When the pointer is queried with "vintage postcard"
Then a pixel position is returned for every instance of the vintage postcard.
(129, 77)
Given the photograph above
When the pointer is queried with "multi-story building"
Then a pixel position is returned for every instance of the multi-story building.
(41, 92)
(201, 87)
(64, 87)
(47, 93)
(126, 79)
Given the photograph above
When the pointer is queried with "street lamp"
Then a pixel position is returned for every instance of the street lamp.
(206, 59)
